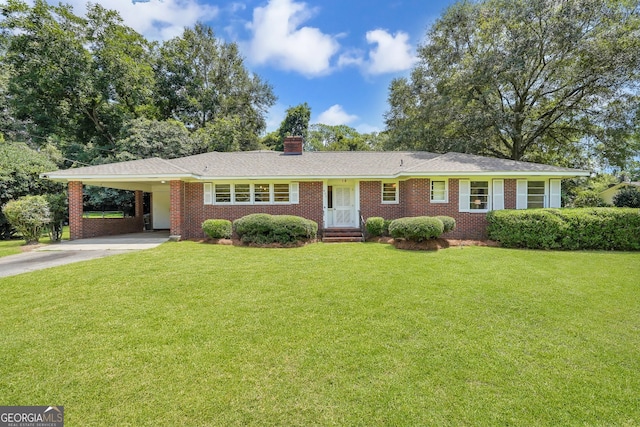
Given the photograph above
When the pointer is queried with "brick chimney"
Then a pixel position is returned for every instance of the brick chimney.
(293, 145)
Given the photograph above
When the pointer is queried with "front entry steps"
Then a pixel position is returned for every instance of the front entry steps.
(341, 235)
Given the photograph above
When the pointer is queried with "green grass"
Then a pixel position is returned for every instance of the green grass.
(349, 334)
(12, 247)
(103, 214)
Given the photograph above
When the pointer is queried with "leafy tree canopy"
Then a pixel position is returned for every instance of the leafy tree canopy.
(526, 80)
(295, 123)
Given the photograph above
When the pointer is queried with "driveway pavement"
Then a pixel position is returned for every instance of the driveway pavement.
(70, 251)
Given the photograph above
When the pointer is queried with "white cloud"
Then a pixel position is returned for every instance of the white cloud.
(336, 115)
(392, 53)
(279, 40)
(155, 19)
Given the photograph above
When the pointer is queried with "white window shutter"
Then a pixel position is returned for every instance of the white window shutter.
(498, 194)
(294, 193)
(555, 193)
(208, 193)
(464, 188)
(521, 200)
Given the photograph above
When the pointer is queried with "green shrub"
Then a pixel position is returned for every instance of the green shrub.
(59, 213)
(416, 228)
(579, 228)
(588, 199)
(375, 226)
(448, 222)
(385, 228)
(265, 229)
(29, 215)
(217, 228)
(627, 197)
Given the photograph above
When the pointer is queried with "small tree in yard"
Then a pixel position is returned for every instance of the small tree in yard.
(627, 197)
(59, 213)
(29, 215)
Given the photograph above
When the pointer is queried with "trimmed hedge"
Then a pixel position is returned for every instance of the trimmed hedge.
(375, 226)
(265, 229)
(217, 228)
(417, 228)
(448, 222)
(586, 228)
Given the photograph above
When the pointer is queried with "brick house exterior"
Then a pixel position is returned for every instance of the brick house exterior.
(333, 189)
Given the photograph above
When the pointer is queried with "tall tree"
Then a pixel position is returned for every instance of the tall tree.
(524, 80)
(295, 123)
(77, 78)
(336, 138)
(201, 79)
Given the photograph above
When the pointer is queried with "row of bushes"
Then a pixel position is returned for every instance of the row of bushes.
(412, 228)
(571, 229)
(263, 228)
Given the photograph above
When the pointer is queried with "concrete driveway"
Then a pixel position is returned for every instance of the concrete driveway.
(70, 251)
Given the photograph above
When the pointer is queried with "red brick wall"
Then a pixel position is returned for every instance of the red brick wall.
(83, 228)
(510, 193)
(414, 197)
(176, 215)
(196, 212)
(75, 210)
(96, 227)
(415, 201)
(370, 201)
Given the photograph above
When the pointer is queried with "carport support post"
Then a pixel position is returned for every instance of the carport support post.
(176, 194)
(75, 209)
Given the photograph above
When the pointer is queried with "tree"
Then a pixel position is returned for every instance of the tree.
(20, 169)
(336, 138)
(29, 215)
(77, 78)
(201, 79)
(295, 123)
(627, 197)
(143, 138)
(523, 80)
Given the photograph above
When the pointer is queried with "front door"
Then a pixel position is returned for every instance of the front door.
(344, 214)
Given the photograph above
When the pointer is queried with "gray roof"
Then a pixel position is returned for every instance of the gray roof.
(326, 164)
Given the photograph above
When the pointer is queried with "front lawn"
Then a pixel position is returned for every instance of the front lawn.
(12, 247)
(346, 334)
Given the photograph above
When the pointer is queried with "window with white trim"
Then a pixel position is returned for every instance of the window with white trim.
(242, 193)
(223, 193)
(439, 193)
(479, 195)
(535, 194)
(247, 194)
(389, 192)
(281, 193)
(261, 193)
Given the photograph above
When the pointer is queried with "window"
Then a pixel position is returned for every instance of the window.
(439, 192)
(479, 195)
(261, 193)
(251, 193)
(389, 192)
(223, 193)
(538, 194)
(280, 193)
(242, 193)
(535, 194)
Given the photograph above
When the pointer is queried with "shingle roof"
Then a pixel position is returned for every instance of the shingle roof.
(351, 164)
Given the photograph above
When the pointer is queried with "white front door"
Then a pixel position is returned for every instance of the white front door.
(344, 214)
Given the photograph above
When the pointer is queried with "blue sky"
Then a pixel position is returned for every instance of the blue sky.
(339, 56)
